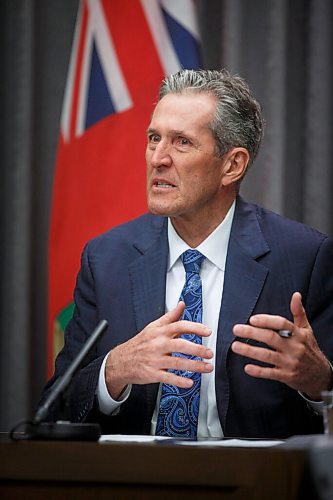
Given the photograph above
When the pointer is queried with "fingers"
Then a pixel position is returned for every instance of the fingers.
(298, 311)
(278, 322)
(190, 349)
(171, 316)
(173, 327)
(186, 327)
(260, 372)
(173, 379)
(146, 358)
(266, 335)
(270, 322)
(297, 362)
(257, 353)
(184, 348)
(182, 364)
(263, 328)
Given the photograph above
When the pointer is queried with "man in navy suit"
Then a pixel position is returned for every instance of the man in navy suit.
(258, 272)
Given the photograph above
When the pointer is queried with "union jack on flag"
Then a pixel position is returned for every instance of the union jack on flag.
(121, 51)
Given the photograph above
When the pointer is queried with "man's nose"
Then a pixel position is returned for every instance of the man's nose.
(161, 155)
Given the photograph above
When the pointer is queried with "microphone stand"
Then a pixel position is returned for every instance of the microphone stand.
(63, 430)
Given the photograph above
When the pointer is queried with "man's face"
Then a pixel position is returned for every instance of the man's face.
(183, 173)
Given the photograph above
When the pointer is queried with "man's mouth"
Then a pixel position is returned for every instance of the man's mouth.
(163, 184)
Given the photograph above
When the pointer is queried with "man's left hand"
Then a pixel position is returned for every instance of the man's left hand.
(296, 361)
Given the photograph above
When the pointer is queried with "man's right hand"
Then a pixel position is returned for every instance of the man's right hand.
(147, 357)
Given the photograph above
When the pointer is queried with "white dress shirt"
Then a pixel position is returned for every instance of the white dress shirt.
(214, 248)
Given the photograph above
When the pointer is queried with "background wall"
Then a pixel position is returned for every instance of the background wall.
(283, 48)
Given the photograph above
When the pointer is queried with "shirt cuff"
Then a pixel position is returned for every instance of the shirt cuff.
(107, 404)
(316, 406)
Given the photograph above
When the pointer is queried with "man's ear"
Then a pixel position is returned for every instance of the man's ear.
(235, 163)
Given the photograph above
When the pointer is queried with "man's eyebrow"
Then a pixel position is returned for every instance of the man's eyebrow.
(151, 130)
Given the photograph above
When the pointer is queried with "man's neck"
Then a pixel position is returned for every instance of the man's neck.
(195, 231)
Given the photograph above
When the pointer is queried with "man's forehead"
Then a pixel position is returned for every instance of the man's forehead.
(183, 111)
(187, 99)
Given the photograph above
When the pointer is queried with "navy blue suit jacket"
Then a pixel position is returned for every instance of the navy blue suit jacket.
(122, 280)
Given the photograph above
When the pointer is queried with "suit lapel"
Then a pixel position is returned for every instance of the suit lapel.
(243, 282)
(148, 277)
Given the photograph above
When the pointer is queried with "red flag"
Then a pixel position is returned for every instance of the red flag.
(121, 51)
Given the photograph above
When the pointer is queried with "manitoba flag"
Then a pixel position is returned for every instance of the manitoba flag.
(121, 51)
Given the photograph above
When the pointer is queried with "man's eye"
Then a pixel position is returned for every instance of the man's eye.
(154, 138)
(182, 141)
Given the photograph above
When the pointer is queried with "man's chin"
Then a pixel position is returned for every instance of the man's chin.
(160, 210)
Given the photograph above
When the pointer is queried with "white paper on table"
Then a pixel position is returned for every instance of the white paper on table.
(128, 438)
(234, 443)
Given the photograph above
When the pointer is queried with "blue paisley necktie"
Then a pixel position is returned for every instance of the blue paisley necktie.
(179, 408)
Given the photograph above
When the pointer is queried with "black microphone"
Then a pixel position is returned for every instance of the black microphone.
(63, 430)
(63, 382)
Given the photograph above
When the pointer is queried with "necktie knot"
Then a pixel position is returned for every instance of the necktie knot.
(192, 260)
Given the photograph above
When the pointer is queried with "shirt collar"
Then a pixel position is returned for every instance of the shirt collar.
(214, 247)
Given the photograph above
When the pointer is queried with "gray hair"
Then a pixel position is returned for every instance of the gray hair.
(238, 120)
